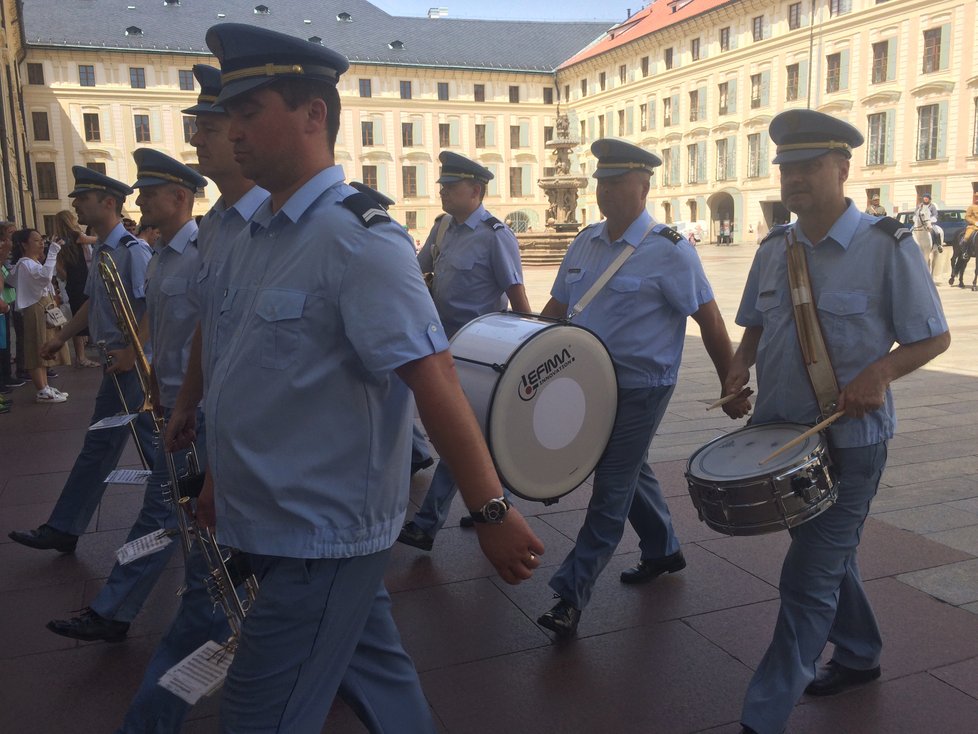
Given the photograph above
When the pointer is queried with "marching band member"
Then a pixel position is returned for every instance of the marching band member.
(640, 315)
(324, 304)
(475, 261)
(98, 201)
(166, 197)
(871, 290)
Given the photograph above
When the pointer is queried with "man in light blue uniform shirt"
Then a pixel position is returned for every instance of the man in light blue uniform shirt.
(98, 201)
(324, 306)
(166, 198)
(640, 315)
(872, 290)
(475, 262)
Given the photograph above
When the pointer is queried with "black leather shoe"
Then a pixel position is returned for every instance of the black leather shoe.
(466, 521)
(90, 626)
(562, 619)
(417, 466)
(650, 568)
(834, 678)
(744, 729)
(45, 538)
(414, 536)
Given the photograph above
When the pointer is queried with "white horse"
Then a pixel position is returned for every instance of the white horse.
(937, 260)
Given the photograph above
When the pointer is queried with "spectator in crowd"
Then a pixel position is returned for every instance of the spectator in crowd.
(72, 268)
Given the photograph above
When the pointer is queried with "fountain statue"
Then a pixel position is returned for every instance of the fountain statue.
(561, 188)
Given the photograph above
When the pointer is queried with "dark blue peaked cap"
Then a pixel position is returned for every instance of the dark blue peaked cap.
(157, 168)
(384, 201)
(209, 80)
(253, 57)
(455, 167)
(88, 180)
(805, 134)
(616, 158)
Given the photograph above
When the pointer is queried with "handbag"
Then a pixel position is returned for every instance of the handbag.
(54, 316)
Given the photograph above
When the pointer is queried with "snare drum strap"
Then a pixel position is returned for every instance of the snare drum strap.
(810, 338)
(607, 275)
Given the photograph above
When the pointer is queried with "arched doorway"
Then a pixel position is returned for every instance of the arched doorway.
(518, 221)
(667, 212)
(722, 224)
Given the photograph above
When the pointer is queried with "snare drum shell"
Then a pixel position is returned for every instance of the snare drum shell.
(765, 503)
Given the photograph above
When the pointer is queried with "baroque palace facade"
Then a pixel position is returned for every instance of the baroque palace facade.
(697, 81)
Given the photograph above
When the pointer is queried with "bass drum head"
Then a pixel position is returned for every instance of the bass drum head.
(737, 455)
(552, 412)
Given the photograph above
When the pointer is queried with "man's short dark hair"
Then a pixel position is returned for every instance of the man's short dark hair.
(299, 91)
(101, 196)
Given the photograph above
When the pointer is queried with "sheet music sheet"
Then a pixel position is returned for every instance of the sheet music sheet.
(114, 421)
(144, 546)
(199, 674)
(128, 476)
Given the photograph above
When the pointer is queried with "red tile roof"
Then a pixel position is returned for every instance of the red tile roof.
(656, 16)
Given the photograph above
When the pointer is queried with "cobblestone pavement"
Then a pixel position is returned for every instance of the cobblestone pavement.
(672, 656)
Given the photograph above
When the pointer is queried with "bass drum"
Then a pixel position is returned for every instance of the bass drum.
(545, 395)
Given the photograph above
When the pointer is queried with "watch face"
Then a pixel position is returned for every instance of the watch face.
(494, 511)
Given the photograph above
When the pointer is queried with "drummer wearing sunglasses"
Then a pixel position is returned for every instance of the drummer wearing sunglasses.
(640, 315)
(872, 290)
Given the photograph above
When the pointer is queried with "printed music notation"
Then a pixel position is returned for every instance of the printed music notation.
(200, 673)
(128, 476)
(114, 421)
(144, 546)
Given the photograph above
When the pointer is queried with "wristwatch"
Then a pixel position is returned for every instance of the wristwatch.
(492, 512)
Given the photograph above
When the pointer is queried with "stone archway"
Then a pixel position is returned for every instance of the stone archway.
(722, 217)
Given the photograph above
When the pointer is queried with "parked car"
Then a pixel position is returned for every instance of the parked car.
(950, 220)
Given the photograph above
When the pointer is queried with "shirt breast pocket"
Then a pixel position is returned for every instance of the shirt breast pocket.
(842, 314)
(280, 314)
(175, 289)
(625, 290)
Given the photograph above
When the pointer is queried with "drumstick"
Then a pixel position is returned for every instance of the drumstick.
(746, 392)
(806, 435)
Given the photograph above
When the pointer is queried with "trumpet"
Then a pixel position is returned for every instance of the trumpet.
(227, 569)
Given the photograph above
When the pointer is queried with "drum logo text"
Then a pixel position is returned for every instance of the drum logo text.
(533, 380)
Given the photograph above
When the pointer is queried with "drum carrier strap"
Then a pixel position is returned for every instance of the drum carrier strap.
(607, 275)
(810, 338)
(443, 222)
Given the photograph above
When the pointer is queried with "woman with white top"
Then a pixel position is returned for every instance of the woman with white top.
(31, 276)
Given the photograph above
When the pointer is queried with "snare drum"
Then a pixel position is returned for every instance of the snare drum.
(545, 395)
(736, 495)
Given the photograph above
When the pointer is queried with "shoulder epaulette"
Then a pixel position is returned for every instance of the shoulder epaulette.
(369, 212)
(669, 233)
(128, 240)
(494, 223)
(775, 232)
(893, 227)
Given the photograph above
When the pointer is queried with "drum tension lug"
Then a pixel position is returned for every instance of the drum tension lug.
(805, 487)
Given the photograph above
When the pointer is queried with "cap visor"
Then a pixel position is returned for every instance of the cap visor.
(451, 179)
(205, 108)
(151, 181)
(611, 172)
(243, 86)
(796, 156)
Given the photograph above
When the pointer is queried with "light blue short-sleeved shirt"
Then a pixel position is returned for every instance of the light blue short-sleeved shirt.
(871, 291)
(309, 431)
(640, 314)
(131, 257)
(475, 267)
(172, 313)
(218, 229)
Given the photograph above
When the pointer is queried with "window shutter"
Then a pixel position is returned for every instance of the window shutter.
(731, 96)
(524, 135)
(105, 125)
(381, 178)
(946, 46)
(651, 113)
(765, 163)
(155, 132)
(674, 174)
(378, 123)
(890, 135)
(590, 127)
(803, 79)
(765, 88)
(676, 116)
(844, 69)
(701, 104)
(891, 59)
(525, 170)
(490, 133)
(494, 181)
(453, 132)
(422, 172)
(942, 130)
(701, 161)
(418, 137)
(731, 158)
(935, 191)
(629, 120)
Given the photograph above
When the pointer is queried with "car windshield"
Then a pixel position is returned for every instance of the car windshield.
(950, 215)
